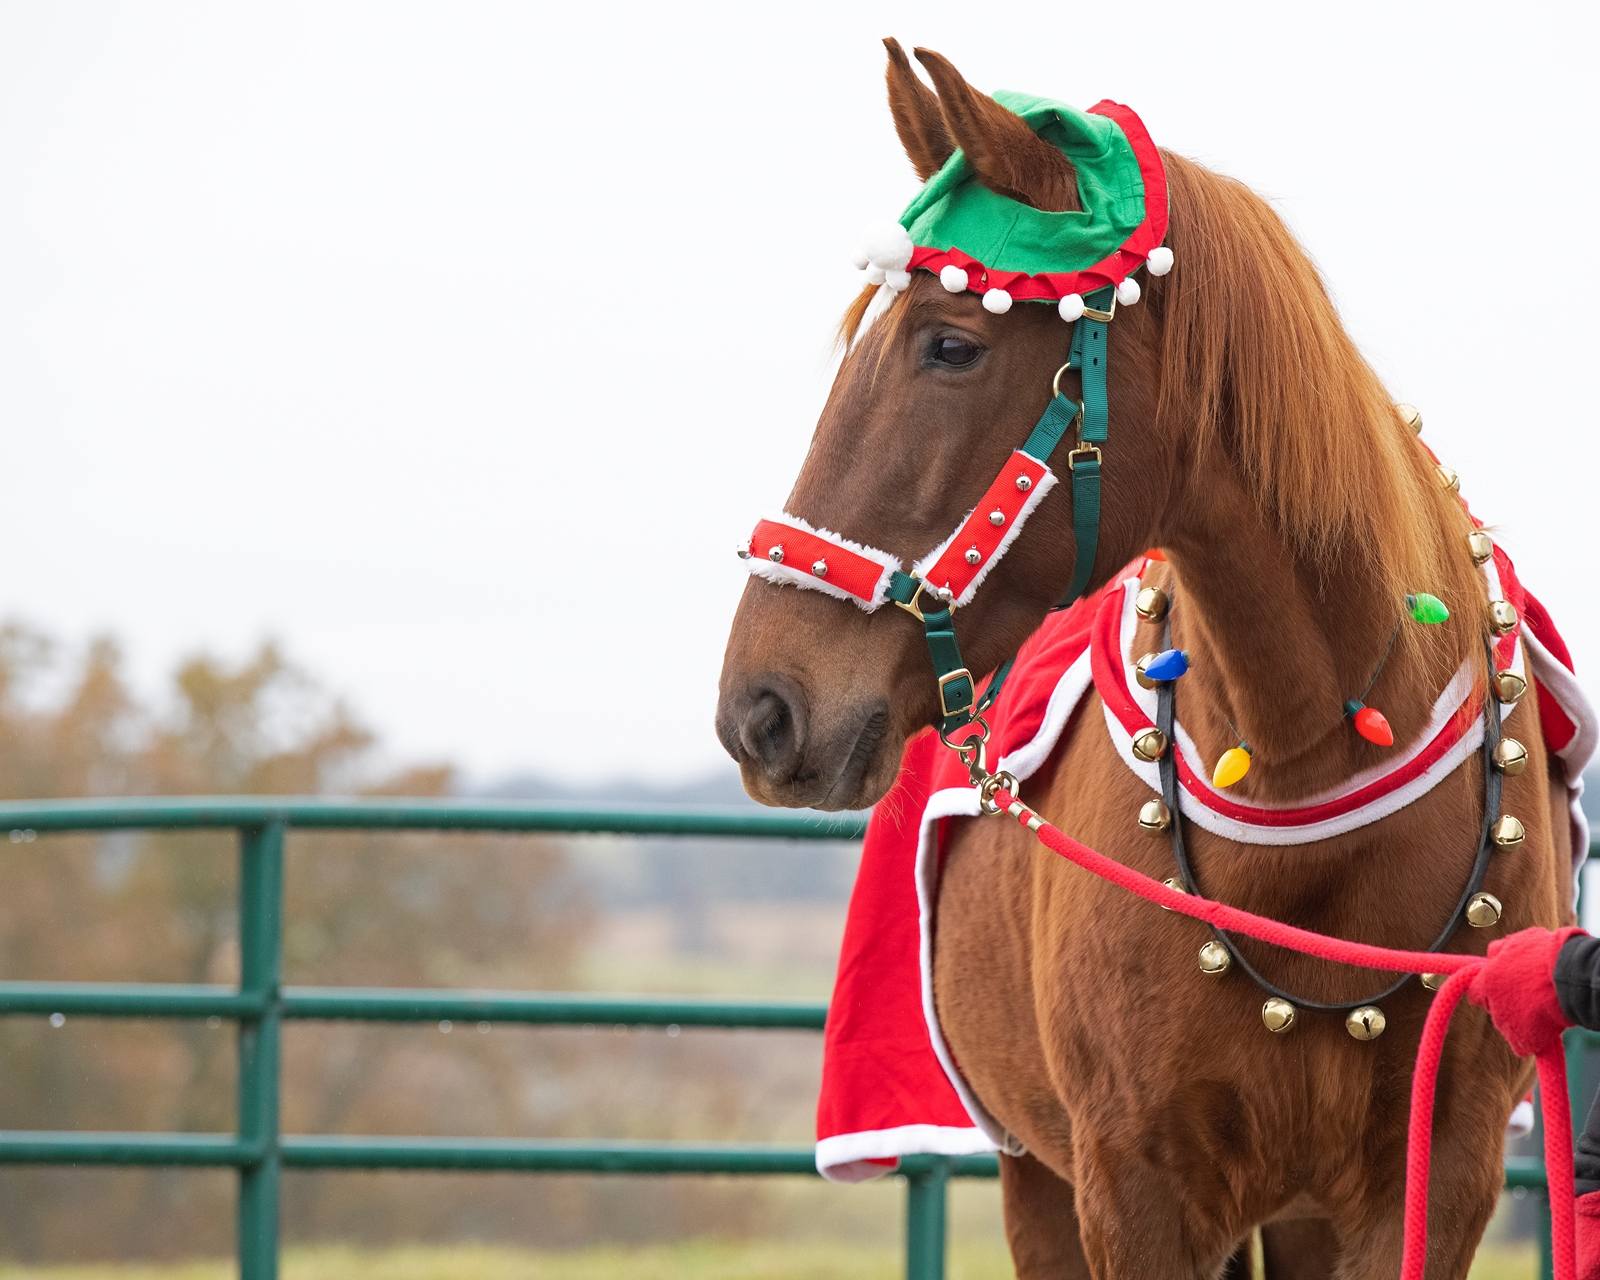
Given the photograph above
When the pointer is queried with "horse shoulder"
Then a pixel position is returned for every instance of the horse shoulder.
(1019, 931)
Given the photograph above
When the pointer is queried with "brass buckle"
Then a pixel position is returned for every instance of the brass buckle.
(1104, 317)
(1084, 449)
(960, 673)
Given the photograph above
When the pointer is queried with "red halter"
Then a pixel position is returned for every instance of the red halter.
(784, 548)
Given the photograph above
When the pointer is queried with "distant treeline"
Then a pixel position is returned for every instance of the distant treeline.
(380, 910)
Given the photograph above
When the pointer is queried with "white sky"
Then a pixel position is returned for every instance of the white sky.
(457, 345)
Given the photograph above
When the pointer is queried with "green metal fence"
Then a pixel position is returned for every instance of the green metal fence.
(260, 1004)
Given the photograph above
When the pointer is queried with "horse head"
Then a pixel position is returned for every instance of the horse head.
(819, 697)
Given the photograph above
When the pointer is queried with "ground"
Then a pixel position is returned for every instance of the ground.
(695, 1261)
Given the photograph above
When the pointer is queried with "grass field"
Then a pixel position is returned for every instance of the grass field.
(695, 1261)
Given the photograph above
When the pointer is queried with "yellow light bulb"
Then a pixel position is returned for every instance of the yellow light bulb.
(1235, 763)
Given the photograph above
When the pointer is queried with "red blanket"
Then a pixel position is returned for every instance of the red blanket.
(889, 1085)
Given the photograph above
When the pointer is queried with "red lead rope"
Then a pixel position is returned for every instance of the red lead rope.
(1551, 1061)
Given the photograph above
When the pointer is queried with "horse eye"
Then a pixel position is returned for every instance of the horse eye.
(955, 353)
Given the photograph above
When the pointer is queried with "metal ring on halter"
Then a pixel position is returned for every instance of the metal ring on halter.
(1055, 382)
(942, 594)
(972, 740)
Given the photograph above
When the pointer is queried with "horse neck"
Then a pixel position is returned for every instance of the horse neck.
(1278, 642)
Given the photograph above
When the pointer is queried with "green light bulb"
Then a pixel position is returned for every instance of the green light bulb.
(1426, 608)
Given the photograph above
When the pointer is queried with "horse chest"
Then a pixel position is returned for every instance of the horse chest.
(1067, 1001)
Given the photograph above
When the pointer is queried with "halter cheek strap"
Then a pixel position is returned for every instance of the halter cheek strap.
(1089, 358)
(785, 549)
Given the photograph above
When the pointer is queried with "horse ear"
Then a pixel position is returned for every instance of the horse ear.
(1008, 157)
(916, 115)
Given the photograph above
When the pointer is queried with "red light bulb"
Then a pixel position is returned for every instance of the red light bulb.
(1371, 724)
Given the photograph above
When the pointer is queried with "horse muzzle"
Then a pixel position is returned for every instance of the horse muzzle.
(794, 757)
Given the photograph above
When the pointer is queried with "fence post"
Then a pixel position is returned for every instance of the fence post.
(925, 1220)
(1547, 1266)
(260, 967)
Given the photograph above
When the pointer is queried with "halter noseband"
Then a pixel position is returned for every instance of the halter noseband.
(785, 548)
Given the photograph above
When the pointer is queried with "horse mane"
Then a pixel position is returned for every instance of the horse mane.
(1256, 361)
(855, 313)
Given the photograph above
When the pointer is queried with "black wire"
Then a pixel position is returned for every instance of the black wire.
(1388, 649)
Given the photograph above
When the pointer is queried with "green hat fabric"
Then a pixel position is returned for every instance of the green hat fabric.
(974, 238)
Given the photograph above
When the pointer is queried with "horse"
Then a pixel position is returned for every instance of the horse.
(1293, 508)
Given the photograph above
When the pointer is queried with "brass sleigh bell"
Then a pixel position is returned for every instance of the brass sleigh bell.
(1214, 958)
(1481, 545)
(1150, 745)
(1483, 910)
(1145, 682)
(1509, 686)
(1510, 757)
(1502, 617)
(1151, 604)
(1154, 818)
(1365, 1023)
(1412, 418)
(1278, 1015)
(1507, 832)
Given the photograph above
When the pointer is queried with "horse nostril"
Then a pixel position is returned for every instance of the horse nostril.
(773, 732)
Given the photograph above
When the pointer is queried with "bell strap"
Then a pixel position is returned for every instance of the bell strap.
(1492, 782)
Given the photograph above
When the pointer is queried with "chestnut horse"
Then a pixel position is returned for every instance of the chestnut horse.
(1252, 443)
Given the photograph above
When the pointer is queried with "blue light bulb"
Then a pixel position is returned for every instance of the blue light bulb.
(1168, 665)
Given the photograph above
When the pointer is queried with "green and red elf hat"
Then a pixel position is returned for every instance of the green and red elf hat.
(974, 239)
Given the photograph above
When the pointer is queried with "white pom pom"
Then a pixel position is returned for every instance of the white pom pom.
(897, 280)
(888, 246)
(1071, 307)
(953, 278)
(1159, 261)
(875, 275)
(997, 301)
(1128, 292)
(861, 262)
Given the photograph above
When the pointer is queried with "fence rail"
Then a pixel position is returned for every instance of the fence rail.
(260, 1004)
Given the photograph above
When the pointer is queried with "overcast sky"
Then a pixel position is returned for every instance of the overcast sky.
(455, 346)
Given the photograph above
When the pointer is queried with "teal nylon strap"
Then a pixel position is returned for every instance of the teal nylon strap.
(957, 691)
(1089, 358)
(991, 695)
(1059, 415)
(903, 587)
(1085, 525)
(958, 703)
